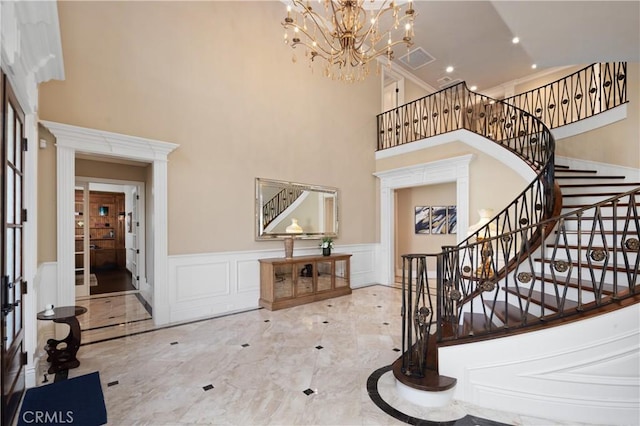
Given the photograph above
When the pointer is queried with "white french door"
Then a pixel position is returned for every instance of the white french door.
(82, 249)
(134, 228)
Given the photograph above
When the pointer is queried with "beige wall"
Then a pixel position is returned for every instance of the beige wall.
(47, 208)
(412, 91)
(407, 241)
(110, 170)
(215, 78)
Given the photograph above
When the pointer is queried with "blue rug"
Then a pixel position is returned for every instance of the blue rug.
(78, 401)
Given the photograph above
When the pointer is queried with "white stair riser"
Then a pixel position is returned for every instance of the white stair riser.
(572, 239)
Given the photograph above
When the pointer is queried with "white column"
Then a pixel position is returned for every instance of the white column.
(66, 172)
(161, 309)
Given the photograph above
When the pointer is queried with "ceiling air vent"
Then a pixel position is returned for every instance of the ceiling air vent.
(445, 82)
(416, 58)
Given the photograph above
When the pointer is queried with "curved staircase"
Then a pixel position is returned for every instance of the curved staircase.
(565, 249)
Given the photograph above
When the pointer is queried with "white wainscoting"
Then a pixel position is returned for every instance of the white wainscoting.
(582, 372)
(211, 284)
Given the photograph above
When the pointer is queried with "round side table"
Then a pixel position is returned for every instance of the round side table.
(62, 353)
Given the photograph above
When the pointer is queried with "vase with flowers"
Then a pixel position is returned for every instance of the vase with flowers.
(327, 245)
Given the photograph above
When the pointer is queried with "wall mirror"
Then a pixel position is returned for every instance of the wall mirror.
(287, 208)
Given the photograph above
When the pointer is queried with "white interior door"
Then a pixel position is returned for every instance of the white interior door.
(134, 228)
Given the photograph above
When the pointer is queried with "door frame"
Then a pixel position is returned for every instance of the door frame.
(71, 139)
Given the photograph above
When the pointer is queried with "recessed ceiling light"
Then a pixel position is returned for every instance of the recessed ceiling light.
(534, 66)
(515, 40)
(473, 88)
(449, 68)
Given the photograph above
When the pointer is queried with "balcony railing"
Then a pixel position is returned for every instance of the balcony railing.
(585, 93)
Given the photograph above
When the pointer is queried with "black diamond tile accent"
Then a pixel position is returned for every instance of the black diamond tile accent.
(396, 350)
(111, 317)
(330, 306)
(173, 343)
(307, 392)
(207, 388)
(318, 347)
(385, 323)
(379, 306)
(267, 320)
(113, 383)
(244, 345)
(325, 322)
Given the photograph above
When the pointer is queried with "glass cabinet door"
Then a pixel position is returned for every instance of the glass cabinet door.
(283, 281)
(304, 278)
(324, 276)
(341, 273)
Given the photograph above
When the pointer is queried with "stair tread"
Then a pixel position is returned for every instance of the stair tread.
(431, 382)
(510, 314)
(607, 289)
(586, 234)
(579, 206)
(591, 194)
(474, 324)
(572, 218)
(570, 170)
(590, 177)
(550, 301)
(591, 185)
(584, 246)
(620, 268)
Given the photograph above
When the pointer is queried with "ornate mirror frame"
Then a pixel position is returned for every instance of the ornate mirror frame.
(281, 205)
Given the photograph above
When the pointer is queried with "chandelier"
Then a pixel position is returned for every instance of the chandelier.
(349, 34)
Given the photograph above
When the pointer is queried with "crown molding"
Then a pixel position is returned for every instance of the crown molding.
(30, 47)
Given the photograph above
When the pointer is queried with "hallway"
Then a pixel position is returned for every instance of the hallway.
(112, 316)
(111, 281)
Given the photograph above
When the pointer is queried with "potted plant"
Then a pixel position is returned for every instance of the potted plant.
(327, 245)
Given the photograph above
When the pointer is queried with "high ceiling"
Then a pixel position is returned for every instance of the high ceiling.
(475, 37)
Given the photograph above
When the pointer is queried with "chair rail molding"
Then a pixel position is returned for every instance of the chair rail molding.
(71, 139)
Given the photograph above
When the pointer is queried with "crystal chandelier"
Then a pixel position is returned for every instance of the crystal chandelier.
(349, 34)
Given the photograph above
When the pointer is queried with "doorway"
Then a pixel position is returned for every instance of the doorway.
(109, 218)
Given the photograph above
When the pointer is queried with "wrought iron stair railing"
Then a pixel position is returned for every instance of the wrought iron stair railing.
(589, 259)
(279, 203)
(473, 274)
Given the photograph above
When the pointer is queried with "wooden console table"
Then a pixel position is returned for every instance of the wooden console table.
(303, 279)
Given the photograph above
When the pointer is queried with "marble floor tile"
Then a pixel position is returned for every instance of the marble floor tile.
(306, 365)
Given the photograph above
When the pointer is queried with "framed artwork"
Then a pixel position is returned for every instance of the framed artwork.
(103, 211)
(422, 219)
(452, 219)
(439, 221)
